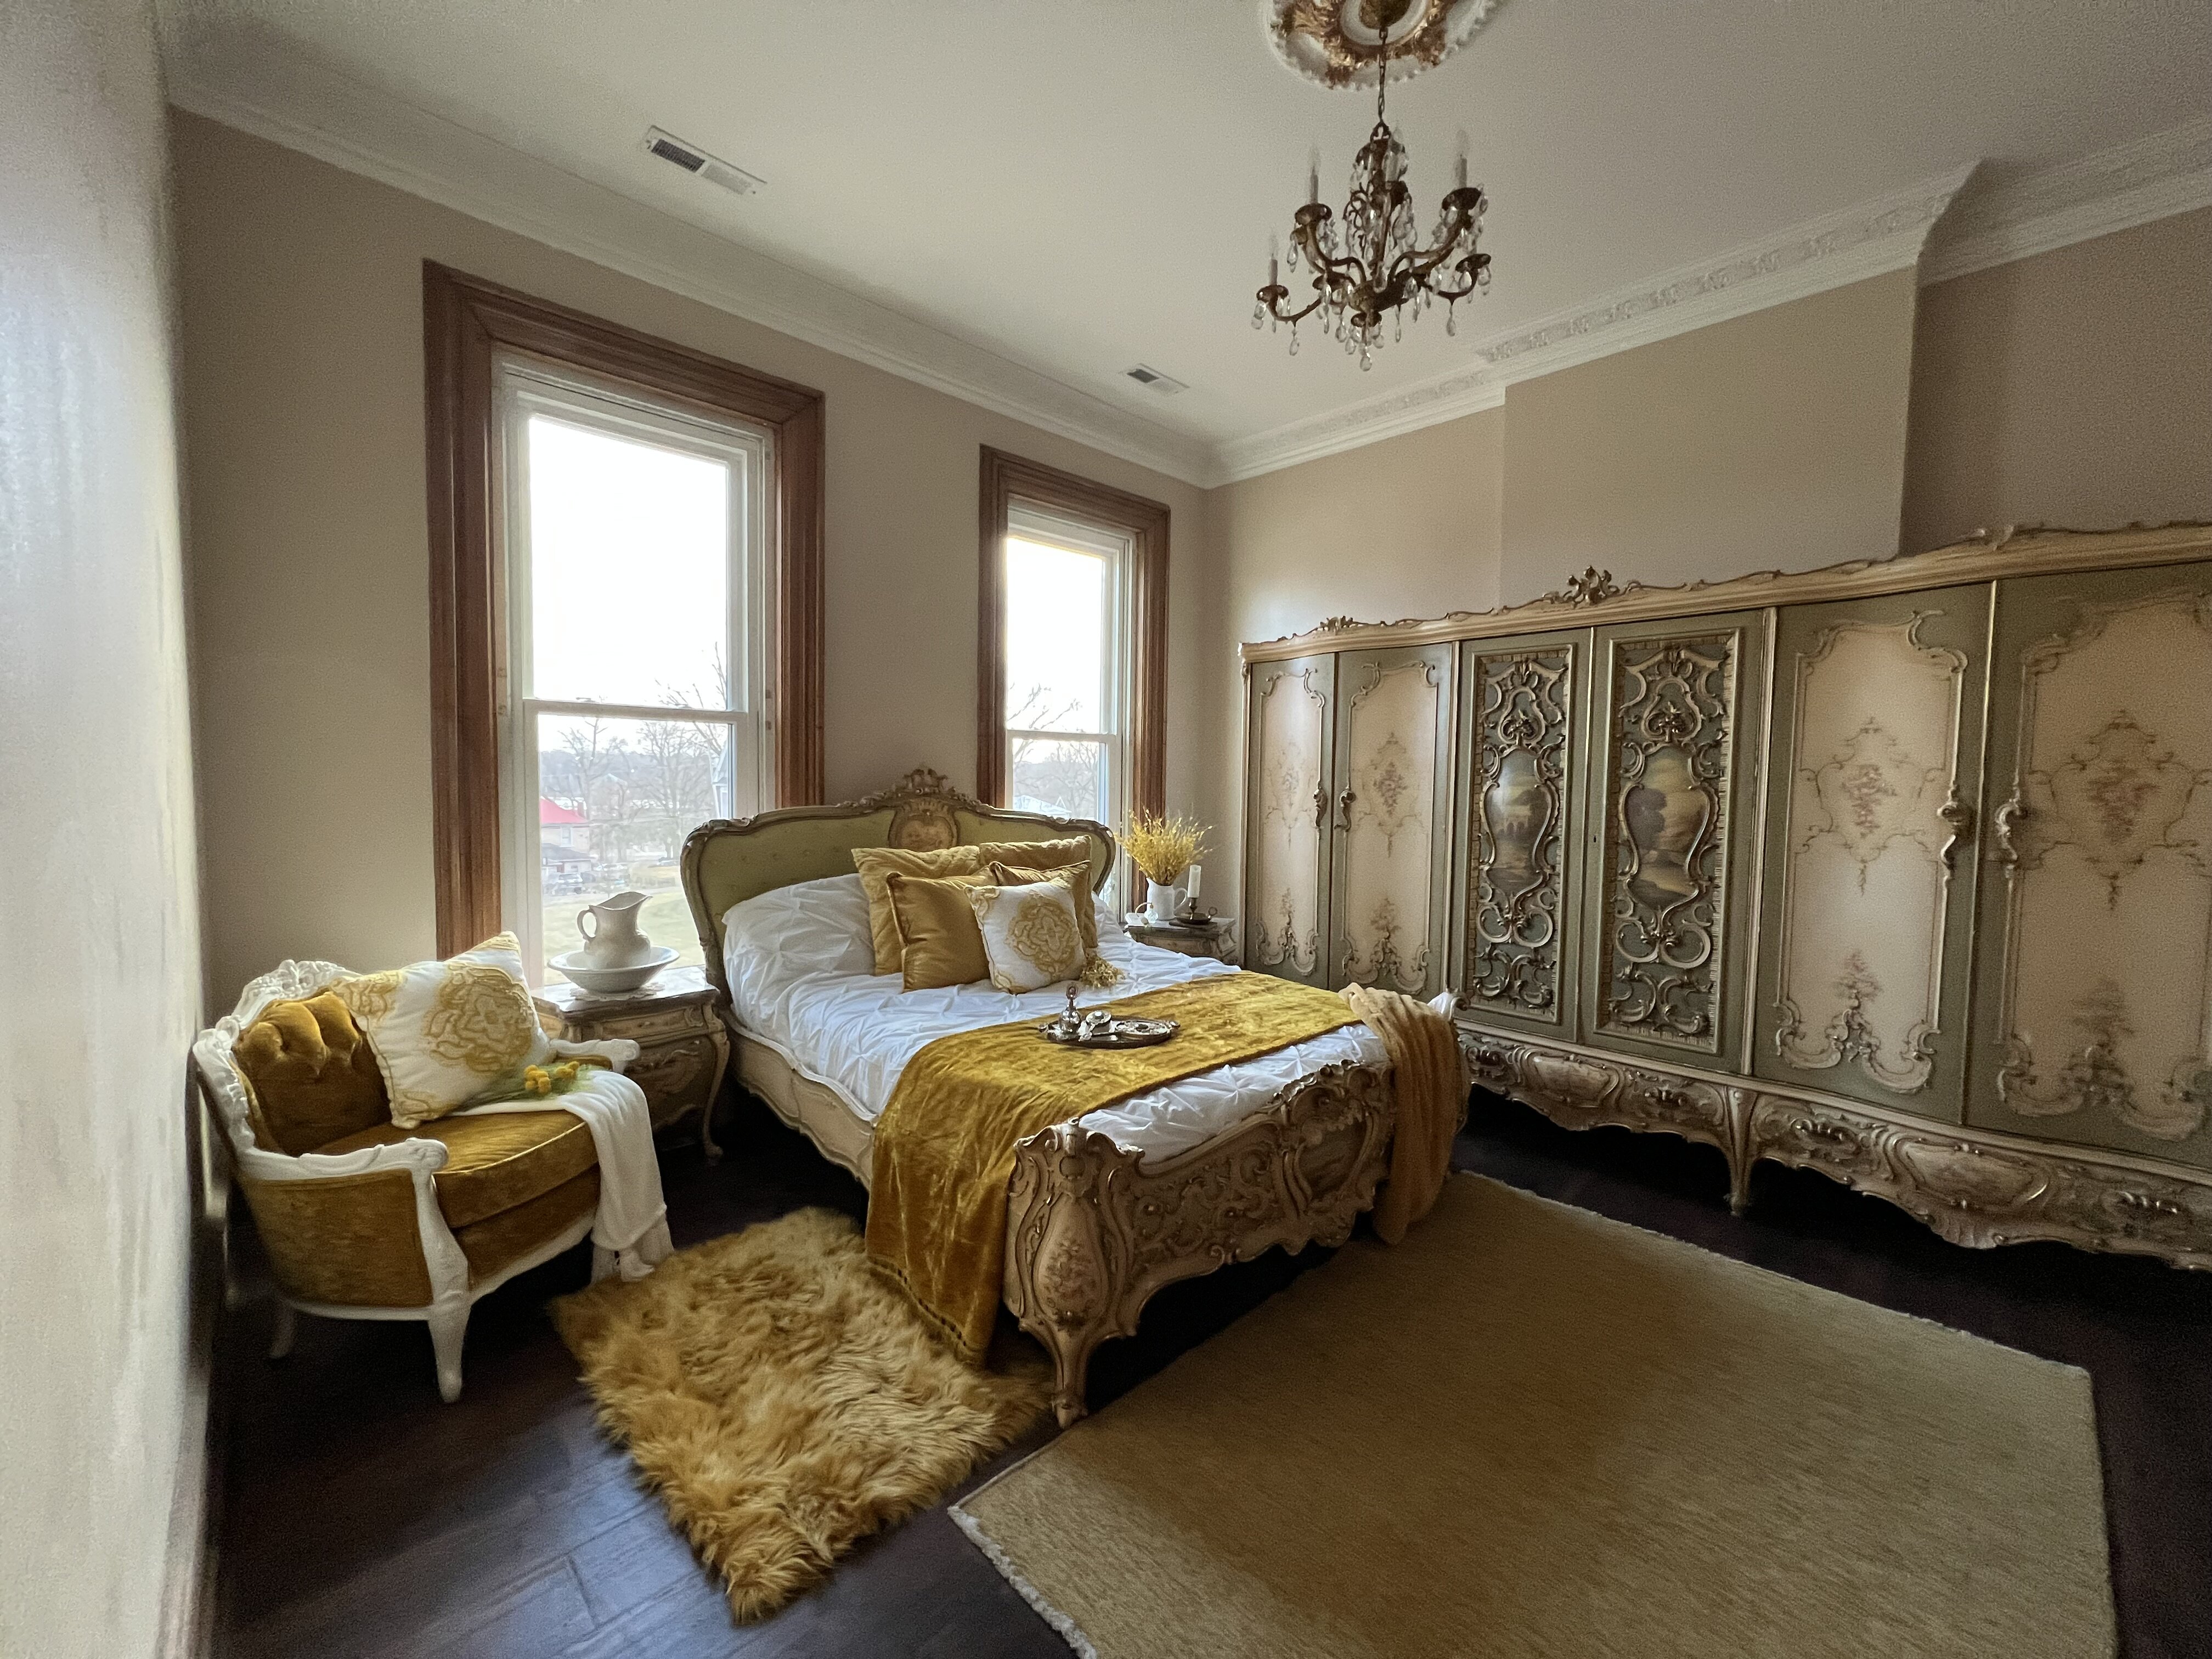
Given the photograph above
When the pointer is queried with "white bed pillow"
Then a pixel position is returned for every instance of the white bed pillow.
(779, 940)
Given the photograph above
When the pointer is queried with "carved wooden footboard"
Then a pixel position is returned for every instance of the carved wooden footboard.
(1094, 1229)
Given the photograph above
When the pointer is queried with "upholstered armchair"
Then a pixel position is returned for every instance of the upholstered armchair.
(362, 1219)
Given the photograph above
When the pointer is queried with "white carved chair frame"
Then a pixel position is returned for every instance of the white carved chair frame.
(452, 1296)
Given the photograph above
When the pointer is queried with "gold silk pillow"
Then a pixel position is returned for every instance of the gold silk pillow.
(878, 863)
(1030, 935)
(448, 1033)
(940, 943)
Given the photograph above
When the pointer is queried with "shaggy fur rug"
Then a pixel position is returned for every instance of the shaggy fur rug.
(784, 1400)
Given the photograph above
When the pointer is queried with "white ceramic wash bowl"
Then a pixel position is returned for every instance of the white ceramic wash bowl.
(608, 981)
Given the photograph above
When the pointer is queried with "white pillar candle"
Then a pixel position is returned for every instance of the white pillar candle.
(1190, 886)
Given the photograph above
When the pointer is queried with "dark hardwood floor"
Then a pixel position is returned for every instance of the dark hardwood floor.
(364, 1520)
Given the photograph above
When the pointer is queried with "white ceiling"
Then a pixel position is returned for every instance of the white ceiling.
(1075, 187)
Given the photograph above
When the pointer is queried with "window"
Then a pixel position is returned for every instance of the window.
(1066, 590)
(1072, 634)
(625, 608)
(634, 537)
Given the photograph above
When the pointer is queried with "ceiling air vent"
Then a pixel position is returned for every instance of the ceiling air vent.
(1152, 380)
(696, 163)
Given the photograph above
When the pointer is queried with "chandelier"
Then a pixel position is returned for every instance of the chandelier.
(1367, 267)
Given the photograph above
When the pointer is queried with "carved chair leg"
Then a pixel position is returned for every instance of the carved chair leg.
(287, 1328)
(448, 1326)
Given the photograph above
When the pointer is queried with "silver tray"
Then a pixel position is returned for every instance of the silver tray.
(1121, 1034)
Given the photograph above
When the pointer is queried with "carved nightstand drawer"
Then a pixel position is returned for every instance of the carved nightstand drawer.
(683, 1054)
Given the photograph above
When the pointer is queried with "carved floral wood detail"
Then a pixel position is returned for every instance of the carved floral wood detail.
(1293, 801)
(2106, 998)
(1518, 821)
(1672, 733)
(1094, 1229)
(1872, 805)
(1971, 1192)
(1392, 718)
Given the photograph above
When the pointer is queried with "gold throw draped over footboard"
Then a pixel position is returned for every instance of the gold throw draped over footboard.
(945, 1146)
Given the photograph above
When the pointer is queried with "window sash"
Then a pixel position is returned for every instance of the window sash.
(524, 389)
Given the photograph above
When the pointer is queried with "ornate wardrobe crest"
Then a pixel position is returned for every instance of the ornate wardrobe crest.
(1337, 42)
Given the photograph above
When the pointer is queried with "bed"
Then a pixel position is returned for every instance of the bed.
(1285, 1149)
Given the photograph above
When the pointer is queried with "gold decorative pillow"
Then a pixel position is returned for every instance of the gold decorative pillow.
(1035, 854)
(1030, 935)
(876, 865)
(448, 1033)
(939, 941)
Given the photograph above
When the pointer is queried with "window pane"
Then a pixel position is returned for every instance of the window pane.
(1066, 779)
(630, 562)
(615, 800)
(1055, 624)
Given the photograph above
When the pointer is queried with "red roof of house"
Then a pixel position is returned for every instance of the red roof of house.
(550, 813)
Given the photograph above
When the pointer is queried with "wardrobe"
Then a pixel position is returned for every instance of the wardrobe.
(1900, 870)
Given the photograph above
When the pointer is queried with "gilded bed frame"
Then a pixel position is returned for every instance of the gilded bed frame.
(1092, 1230)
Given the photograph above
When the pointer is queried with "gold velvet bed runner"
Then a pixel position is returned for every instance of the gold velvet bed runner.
(945, 1146)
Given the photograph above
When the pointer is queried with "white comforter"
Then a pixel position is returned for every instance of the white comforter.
(801, 978)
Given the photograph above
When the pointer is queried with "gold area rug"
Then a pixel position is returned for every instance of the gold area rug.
(784, 1401)
(1531, 1431)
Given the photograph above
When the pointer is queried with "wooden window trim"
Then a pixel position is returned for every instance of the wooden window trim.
(466, 321)
(1006, 479)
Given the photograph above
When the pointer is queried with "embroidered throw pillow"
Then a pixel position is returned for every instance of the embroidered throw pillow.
(448, 1033)
(876, 865)
(1096, 970)
(1030, 935)
(940, 944)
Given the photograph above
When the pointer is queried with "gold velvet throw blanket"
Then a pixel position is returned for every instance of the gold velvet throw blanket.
(945, 1146)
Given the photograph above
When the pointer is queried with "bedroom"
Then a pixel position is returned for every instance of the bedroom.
(294, 289)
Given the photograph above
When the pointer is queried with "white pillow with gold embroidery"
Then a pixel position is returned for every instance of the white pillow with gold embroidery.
(448, 1033)
(1030, 935)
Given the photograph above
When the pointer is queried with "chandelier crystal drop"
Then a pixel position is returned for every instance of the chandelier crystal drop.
(1365, 266)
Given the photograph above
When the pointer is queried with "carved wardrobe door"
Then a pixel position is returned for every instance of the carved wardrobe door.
(1286, 815)
(1672, 834)
(1867, 889)
(2094, 1016)
(1517, 942)
(1392, 812)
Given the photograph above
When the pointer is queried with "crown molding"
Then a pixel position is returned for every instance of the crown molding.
(2113, 190)
(1869, 240)
(306, 107)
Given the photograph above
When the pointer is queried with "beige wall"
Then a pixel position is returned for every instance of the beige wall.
(1405, 527)
(2071, 388)
(1772, 440)
(100, 979)
(301, 302)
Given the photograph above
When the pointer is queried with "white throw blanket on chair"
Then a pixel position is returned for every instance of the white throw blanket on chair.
(630, 1231)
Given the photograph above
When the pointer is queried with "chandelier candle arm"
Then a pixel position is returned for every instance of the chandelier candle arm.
(1378, 268)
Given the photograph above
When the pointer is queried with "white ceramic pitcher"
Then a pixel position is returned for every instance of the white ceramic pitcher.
(613, 940)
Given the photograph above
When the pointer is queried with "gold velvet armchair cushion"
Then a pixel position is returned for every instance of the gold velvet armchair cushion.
(310, 1076)
(492, 1164)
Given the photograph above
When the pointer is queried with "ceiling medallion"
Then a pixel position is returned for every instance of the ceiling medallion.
(1369, 267)
(1338, 42)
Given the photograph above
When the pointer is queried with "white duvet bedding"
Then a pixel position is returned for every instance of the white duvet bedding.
(801, 979)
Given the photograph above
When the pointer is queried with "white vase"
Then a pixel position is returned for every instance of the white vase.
(1159, 902)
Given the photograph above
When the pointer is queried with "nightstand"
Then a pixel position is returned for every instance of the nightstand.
(683, 1051)
(1217, 938)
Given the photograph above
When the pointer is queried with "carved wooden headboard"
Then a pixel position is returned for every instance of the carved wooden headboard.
(728, 860)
